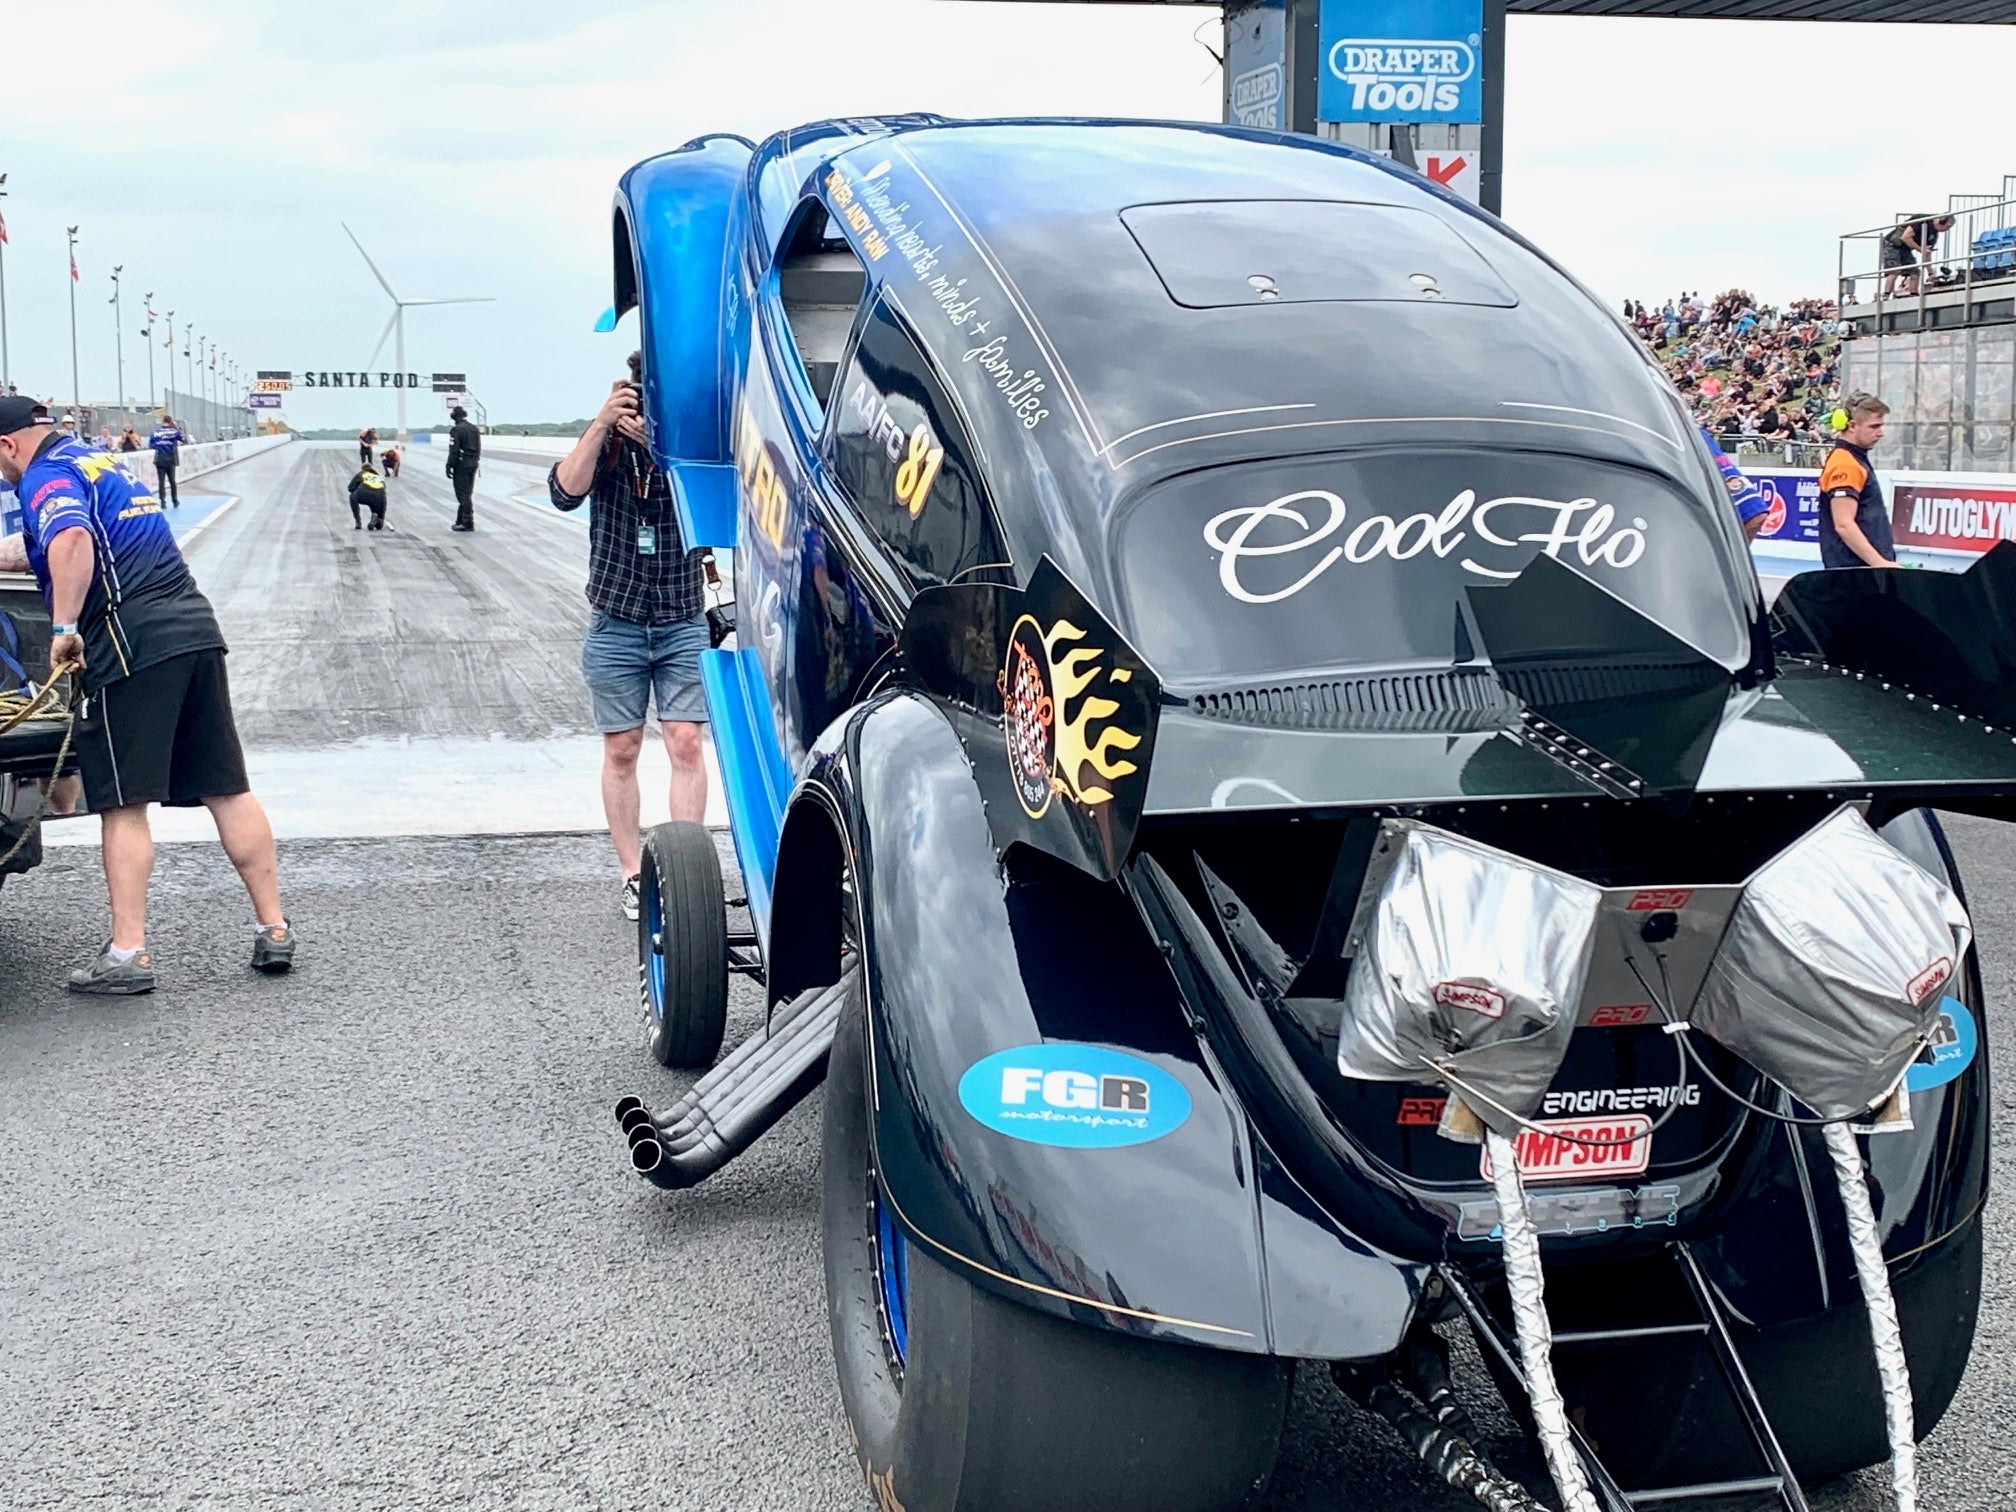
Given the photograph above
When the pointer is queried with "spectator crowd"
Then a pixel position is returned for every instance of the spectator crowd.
(1748, 371)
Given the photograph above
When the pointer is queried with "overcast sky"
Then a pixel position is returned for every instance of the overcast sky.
(213, 147)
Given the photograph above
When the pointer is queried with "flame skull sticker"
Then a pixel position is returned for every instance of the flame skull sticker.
(1061, 733)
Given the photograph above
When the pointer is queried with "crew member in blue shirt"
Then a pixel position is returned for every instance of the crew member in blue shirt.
(155, 725)
(167, 443)
(1751, 502)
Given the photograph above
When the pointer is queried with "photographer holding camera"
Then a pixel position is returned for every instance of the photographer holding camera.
(649, 624)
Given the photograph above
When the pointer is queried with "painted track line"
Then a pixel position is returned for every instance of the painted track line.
(231, 501)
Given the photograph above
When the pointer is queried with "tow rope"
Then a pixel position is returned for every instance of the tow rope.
(47, 705)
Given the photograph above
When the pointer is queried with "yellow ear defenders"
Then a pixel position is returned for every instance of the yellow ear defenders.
(1837, 419)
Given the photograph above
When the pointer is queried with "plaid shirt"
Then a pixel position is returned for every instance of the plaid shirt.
(631, 492)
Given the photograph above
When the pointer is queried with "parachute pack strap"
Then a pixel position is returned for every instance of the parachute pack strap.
(1529, 1318)
(1892, 1370)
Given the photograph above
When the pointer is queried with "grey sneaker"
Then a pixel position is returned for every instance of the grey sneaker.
(106, 977)
(273, 949)
(632, 899)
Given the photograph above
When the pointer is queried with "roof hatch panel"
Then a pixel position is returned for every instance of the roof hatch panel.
(1216, 254)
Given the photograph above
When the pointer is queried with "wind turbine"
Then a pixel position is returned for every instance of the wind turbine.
(396, 326)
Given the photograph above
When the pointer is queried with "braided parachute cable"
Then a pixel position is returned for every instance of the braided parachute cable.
(1523, 1279)
(1892, 1369)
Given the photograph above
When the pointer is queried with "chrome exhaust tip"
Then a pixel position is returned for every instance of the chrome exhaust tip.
(646, 1154)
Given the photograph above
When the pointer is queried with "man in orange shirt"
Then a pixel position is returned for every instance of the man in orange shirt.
(1854, 519)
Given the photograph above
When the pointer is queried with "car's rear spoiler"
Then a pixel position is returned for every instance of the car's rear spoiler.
(1946, 636)
(1894, 687)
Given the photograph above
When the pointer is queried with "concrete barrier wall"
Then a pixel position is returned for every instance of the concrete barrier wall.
(205, 456)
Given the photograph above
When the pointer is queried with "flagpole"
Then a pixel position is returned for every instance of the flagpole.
(150, 351)
(119, 330)
(76, 383)
(6, 369)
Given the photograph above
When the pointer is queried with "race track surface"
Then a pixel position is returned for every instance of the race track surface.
(364, 1237)
(413, 633)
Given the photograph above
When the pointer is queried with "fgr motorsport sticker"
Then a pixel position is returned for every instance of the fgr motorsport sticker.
(1951, 1052)
(1078, 1097)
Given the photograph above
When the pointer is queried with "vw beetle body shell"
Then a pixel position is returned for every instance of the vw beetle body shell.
(1132, 341)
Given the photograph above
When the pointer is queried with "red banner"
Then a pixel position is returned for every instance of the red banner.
(1953, 516)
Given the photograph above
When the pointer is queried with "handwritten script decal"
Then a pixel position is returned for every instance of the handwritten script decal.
(1499, 526)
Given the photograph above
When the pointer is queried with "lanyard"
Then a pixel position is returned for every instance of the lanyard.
(641, 475)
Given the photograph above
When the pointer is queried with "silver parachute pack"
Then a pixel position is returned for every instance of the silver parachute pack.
(1830, 976)
(1469, 971)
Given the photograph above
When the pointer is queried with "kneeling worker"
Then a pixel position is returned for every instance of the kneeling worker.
(367, 491)
(156, 724)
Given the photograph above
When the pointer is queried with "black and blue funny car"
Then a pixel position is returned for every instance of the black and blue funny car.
(1270, 797)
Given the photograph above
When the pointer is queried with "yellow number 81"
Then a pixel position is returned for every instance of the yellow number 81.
(918, 471)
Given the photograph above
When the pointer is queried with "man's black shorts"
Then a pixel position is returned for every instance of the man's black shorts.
(163, 735)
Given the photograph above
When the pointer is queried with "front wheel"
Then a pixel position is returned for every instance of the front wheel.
(682, 945)
(960, 1401)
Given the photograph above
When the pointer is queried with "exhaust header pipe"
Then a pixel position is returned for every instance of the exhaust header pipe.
(738, 1101)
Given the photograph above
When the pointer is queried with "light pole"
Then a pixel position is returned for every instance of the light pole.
(119, 330)
(189, 382)
(196, 382)
(76, 384)
(6, 372)
(168, 343)
(148, 337)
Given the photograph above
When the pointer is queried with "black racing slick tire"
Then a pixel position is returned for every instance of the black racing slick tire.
(1658, 1414)
(993, 1407)
(682, 945)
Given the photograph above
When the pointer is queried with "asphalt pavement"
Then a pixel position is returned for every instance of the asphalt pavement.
(364, 1237)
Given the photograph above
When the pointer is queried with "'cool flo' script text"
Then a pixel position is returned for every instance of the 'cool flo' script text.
(1583, 525)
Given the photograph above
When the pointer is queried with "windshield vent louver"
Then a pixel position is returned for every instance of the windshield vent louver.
(1456, 700)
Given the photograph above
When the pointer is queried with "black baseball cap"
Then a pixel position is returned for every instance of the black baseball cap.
(19, 414)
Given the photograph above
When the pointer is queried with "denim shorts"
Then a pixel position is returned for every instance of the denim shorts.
(625, 664)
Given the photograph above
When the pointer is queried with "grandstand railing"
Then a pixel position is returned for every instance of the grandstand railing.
(1975, 272)
(1774, 451)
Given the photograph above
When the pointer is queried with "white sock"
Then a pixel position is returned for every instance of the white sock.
(258, 928)
(121, 957)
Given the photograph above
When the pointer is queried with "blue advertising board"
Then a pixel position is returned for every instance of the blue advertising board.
(1794, 514)
(1256, 65)
(1401, 60)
